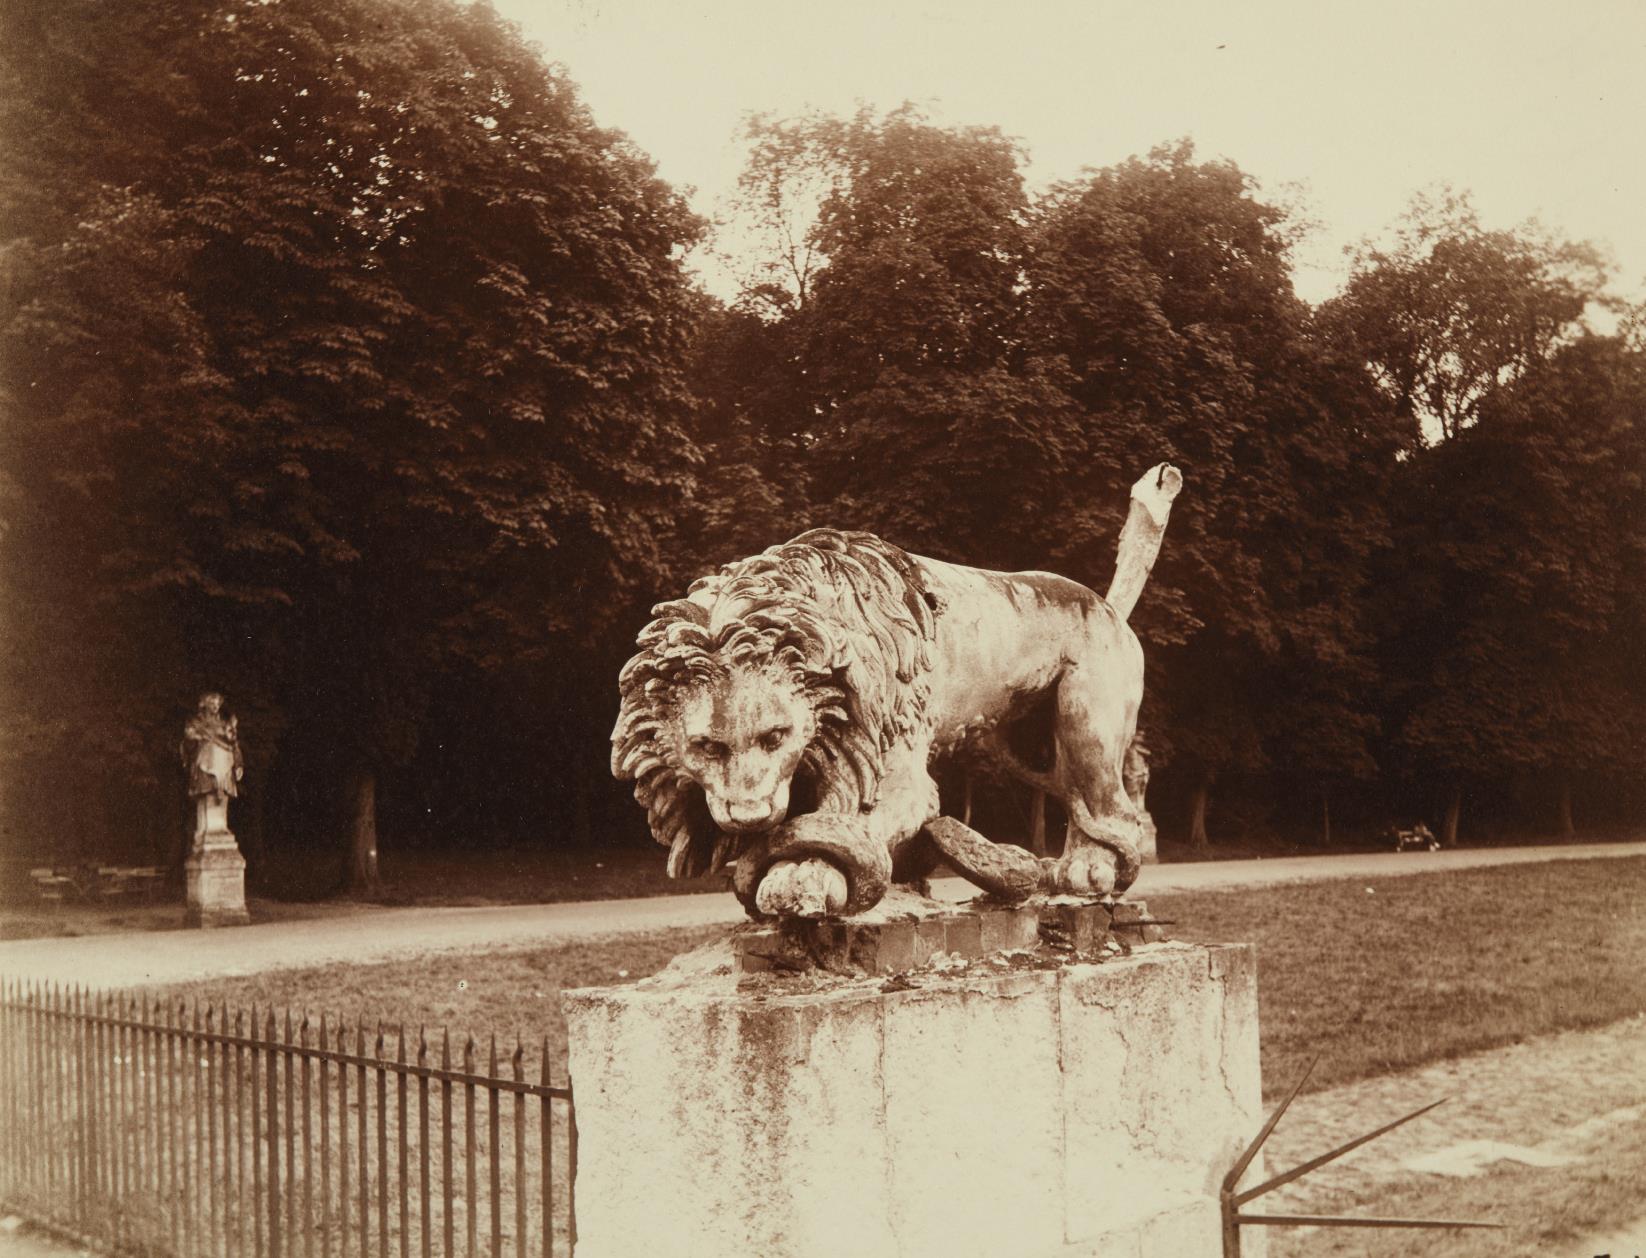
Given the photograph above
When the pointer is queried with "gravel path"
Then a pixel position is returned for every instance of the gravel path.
(370, 934)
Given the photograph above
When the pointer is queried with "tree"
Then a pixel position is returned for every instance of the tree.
(1447, 311)
(1160, 297)
(885, 312)
(1529, 664)
(1451, 320)
(369, 369)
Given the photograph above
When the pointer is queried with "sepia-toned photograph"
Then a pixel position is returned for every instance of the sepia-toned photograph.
(875, 628)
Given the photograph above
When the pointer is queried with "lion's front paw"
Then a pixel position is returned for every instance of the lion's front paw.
(804, 888)
(1087, 870)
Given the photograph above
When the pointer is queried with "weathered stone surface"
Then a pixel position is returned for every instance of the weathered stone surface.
(1119, 1025)
(1001, 869)
(923, 930)
(1009, 930)
(722, 712)
(1081, 927)
(1075, 1110)
(215, 877)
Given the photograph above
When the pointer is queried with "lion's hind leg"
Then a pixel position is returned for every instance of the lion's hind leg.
(1095, 722)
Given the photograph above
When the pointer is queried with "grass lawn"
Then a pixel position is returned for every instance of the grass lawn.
(1551, 1210)
(1379, 976)
(1372, 977)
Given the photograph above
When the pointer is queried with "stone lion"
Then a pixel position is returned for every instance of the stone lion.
(785, 715)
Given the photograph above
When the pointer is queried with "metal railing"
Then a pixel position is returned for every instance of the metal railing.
(161, 1128)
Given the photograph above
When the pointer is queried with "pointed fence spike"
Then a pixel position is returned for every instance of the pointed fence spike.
(445, 1048)
(548, 1078)
(323, 1029)
(400, 1046)
(1232, 1180)
(1333, 1220)
(1303, 1169)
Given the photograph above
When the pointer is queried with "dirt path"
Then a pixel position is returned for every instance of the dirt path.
(369, 933)
(1547, 1137)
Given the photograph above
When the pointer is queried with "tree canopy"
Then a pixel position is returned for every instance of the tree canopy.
(344, 348)
(353, 369)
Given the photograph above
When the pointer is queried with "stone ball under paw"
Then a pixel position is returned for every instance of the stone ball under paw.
(802, 888)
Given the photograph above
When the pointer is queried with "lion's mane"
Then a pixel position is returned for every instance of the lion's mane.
(848, 616)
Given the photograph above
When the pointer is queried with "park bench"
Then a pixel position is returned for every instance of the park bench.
(86, 882)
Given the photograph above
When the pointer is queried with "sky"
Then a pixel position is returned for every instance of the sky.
(1538, 109)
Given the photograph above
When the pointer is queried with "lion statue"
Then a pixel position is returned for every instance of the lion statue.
(786, 714)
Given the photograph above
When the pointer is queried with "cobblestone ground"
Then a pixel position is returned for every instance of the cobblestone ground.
(1537, 1121)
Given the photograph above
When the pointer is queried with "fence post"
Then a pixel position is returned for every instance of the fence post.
(491, 1135)
(270, 1058)
(423, 1134)
(288, 1063)
(382, 1146)
(308, 1148)
(519, 1154)
(400, 1112)
(468, 1135)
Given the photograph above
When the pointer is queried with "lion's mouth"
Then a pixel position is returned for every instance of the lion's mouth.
(706, 846)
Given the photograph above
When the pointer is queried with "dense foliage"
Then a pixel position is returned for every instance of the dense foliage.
(349, 367)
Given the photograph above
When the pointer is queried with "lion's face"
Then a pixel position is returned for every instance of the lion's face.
(740, 737)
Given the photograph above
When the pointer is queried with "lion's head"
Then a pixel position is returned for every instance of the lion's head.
(774, 687)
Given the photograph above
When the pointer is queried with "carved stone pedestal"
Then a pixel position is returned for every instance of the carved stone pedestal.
(1148, 839)
(217, 882)
(1020, 1105)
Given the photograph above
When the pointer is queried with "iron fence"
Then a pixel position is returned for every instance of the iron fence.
(161, 1128)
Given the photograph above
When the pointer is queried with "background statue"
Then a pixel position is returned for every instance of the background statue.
(211, 756)
(785, 715)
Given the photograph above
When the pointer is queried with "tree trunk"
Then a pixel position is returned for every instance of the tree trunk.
(363, 832)
(1197, 815)
(1037, 824)
(1565, 806)
(1454, 809)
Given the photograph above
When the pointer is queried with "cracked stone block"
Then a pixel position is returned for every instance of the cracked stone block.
(882, 947)
(1083, 927)
(1009, 930)
(963, 935)
(930, 938)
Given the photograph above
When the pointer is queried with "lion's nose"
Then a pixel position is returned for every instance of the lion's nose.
(749, 813)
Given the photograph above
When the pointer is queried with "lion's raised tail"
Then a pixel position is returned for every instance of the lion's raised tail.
(1140, 538)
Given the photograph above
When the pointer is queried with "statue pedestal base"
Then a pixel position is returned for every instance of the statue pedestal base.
(995, 1108)
(216, 882)
(1148, 840)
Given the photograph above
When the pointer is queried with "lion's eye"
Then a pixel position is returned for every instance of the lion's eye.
(772, 739)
